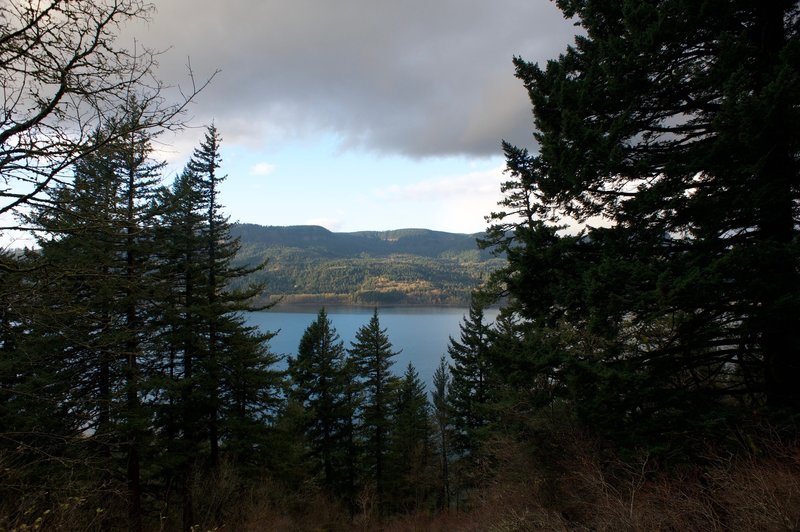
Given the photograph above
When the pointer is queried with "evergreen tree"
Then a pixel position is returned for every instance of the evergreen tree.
(676, 123)
(319, 384)
(372, 355)
(119, 309)
(441, 415)
(203, 168)
(220, 370)
(469, 386)
(250, 399)
(410, 445)
(182, 304)
(98, 249)
(140, 177)
(40, 438)
(352, 441)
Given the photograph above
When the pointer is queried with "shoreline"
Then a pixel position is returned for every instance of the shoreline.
(311, 301)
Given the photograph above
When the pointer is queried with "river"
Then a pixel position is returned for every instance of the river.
(420, 333)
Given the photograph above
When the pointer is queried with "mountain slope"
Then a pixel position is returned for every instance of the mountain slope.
(312, 265)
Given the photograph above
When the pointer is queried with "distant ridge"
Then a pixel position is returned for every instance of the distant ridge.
(308, 264)
(424, 242)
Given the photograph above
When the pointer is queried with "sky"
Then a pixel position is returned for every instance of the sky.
(355, 114)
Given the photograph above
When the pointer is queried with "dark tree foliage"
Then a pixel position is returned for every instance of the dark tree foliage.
(352, 438)
(219, 380)
(180, 410)
(222, 328)
(319, 385)
(410, 449)
(371, 353)
(96, 285)
(672, 126)
(443, 430)
(469, 393)
(106, 336)
(37, 433)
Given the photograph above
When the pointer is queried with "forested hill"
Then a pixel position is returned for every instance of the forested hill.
(312, 265)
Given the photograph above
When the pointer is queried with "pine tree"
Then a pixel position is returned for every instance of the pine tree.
(181, 340)
(441, 415)
(410, 455)
(250, 394)
(121, 311)
(220, 370)
(40, 438)
(469, 387)
(352, 440)
(98, 248)
(203, 168)
(372, 355)
(674, 122)
(140, 177)
(319, 383)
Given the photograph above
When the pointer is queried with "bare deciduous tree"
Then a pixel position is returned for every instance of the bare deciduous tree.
(62, 72)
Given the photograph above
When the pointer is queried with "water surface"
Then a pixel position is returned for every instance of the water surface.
(420, 333)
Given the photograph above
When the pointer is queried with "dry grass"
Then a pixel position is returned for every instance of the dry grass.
(589, 491)
(583, 488)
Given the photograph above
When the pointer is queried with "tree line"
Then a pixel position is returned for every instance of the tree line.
(132, 385)
(127, 363)
(650, 288)
(382, 443)
(666, 317)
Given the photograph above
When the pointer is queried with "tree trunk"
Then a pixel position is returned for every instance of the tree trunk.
(778, 319)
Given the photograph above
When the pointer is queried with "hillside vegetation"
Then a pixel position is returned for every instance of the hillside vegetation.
(311, 265)
(641, 375)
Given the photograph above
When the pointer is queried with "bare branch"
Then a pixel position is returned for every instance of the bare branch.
(62, 73)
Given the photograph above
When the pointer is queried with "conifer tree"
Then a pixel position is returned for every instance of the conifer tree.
(441, 415)
(181, 341)
(98, 248)
(319, 382)
(352, 439)
(676, 123)
(410, 445)
(250, 399)
(372, 355)
(140, 177)
(203, 167)
(40, 438)
(469, 386)
(221, 370)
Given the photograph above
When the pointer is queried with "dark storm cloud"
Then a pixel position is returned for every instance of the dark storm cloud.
(415, 77)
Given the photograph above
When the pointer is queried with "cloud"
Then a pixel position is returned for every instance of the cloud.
(262, 169)
(456, 203)
(417, 78)
(473, 184)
